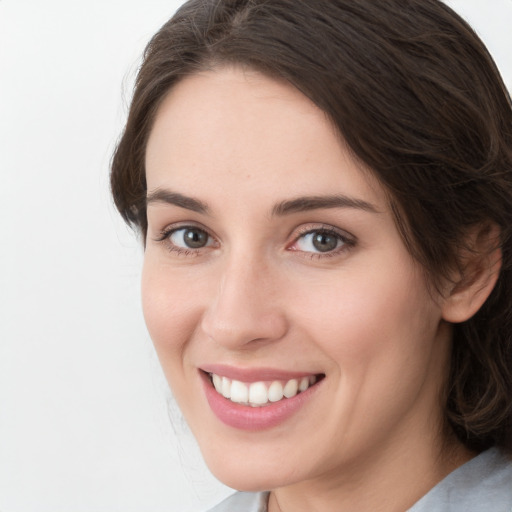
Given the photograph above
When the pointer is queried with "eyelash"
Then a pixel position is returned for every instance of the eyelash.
(166, 234)
(348, 241)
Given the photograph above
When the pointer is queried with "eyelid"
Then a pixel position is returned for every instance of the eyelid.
(312, 228)
(176, 226)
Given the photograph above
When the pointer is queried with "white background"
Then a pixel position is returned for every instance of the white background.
(84, 416)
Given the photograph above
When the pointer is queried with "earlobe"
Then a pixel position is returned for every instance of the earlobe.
(480, 265)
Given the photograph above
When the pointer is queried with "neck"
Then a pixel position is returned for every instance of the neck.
(365, 486)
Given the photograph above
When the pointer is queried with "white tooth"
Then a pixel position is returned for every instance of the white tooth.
(239, 392)
(275, 391)
(217, 382)
(291, 388)
(226, 387)
(312, 379)
(258, 393)
(304, 384)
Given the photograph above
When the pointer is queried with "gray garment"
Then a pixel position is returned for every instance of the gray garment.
(243, 502)
(484, 484)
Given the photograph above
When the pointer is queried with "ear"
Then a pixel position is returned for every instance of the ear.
(480, 265)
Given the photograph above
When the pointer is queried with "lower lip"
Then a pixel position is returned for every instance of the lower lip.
(254, 418)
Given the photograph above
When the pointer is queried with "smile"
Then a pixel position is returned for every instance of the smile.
(258, 398)
(260, 393)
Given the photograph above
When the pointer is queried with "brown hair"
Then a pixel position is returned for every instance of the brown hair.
(418, 99)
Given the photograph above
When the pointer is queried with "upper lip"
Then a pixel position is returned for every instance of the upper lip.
(254, 374)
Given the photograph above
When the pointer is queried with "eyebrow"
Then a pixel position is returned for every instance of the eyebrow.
(299, 204)
(303, 204)
(170, 197)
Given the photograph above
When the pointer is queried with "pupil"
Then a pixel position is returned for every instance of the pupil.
(324, 242)
(195, 239)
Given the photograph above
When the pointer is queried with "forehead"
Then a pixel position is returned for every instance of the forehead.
(232, 129)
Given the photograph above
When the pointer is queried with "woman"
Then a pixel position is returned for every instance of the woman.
(324, 192)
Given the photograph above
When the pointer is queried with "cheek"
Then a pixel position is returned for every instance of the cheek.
(379, 332)
(171, 311)
(371, 318)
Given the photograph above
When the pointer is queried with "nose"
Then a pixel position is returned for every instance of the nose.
(245, 308)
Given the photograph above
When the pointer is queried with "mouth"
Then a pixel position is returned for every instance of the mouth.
(257, 399)
(261, 393)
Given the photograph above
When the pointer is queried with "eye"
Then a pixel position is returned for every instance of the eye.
(321, 241)
(188, 238)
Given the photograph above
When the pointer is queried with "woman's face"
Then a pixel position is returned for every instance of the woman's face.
(273, 265)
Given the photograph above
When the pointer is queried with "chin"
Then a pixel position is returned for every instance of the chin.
(249, 473)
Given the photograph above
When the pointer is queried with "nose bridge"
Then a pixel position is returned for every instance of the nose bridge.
(245, 306)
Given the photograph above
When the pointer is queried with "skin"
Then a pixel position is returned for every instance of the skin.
(259, 294)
